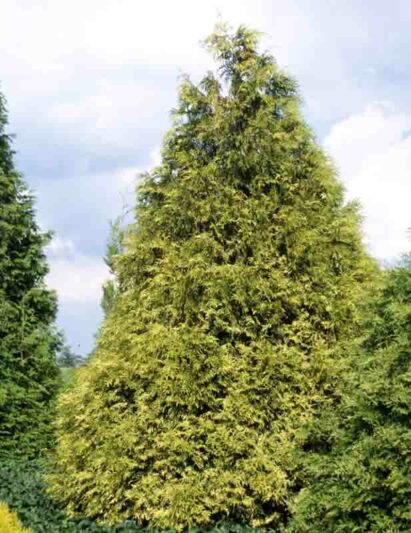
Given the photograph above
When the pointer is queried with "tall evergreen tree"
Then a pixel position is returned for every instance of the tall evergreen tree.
(362, 477)
(28, 371)
(241, 274)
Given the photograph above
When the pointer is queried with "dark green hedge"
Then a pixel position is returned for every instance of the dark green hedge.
(22, 487)
(361, 475)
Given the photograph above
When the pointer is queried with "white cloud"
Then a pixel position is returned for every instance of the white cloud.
(94, 199)
(75, 277)
(115, 32)
(111, 117)
(103, 74)
(60, 247)
(373, 154)
(79, 207)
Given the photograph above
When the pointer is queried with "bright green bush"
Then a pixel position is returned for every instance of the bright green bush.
(29, 377)
(9, 523)
(240, 276)
(362, 475)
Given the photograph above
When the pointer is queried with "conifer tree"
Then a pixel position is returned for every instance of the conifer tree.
(28, 342)
(66, 358)
(362, 477)
(114, 248)
(239, 277)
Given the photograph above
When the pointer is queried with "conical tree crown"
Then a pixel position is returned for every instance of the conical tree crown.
(242, 271)
(28, 372)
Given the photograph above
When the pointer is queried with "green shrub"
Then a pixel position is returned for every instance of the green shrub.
(362, 477)
(242, 273)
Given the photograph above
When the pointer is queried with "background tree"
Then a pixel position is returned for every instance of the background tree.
(66, 358)
(114, 249)
(240, 276)
(28, 340)
(362, 477)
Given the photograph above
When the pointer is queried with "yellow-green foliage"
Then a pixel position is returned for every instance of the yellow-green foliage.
(9, 523)
(242, 272)
(67, 375)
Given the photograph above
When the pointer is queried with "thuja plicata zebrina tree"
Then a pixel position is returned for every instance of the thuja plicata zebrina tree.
(240, 277)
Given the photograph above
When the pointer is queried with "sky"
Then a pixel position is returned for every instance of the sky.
(90, 85)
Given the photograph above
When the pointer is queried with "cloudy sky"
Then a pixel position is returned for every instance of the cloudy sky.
(90, 84)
